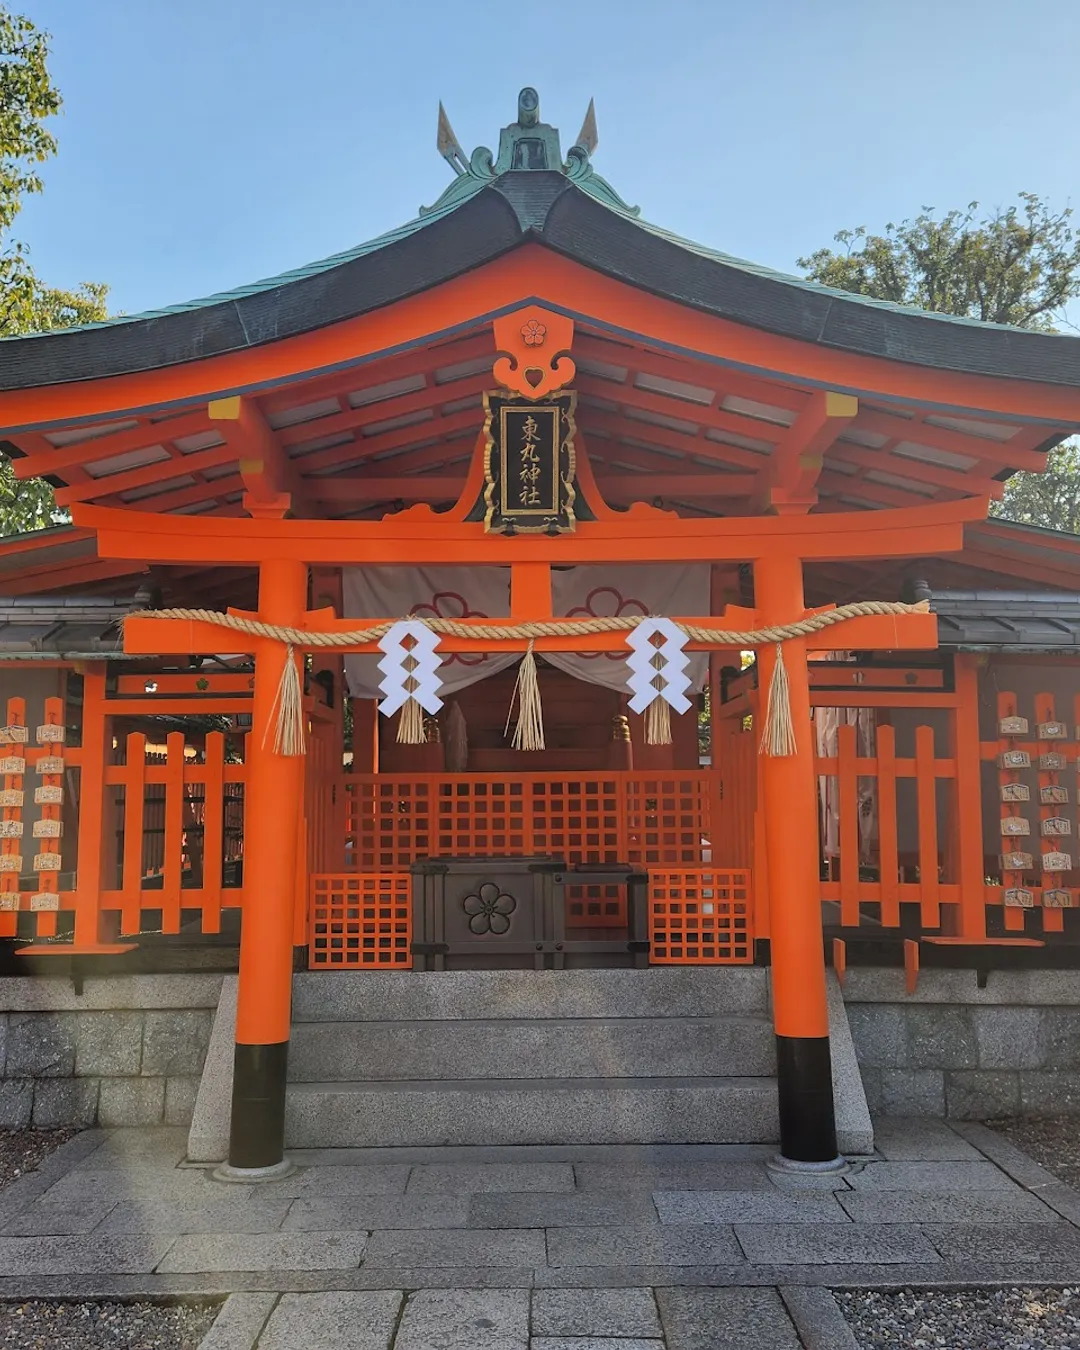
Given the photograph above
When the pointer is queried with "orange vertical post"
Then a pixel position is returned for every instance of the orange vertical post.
(173, 869)
(888, 860)
(968, 794)
(213, 831)
(848, 781)
(91, 863)
(926, 812)
(273, 803)
(365, 735)
(800, 1009)
(133, 822)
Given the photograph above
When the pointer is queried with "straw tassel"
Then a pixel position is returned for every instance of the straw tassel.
(289, 709)
(778, 736)
(529, 731)
(658, 713)
(410, 729)
(658, 722)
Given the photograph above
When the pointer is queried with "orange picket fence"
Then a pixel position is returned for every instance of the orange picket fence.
(170, 848)
(977, 835)
(931, 825)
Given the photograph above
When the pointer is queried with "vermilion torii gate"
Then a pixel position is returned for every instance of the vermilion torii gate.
(283, 550)
(724, 415)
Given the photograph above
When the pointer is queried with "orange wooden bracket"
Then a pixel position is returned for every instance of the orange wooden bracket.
(790, 474)
(534, 345)
(911, 964)
(272, 484)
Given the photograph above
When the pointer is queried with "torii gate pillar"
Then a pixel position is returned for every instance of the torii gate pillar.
(272, 804)
(800, 1009)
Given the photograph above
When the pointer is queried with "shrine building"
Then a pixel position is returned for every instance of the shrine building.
(530, 589)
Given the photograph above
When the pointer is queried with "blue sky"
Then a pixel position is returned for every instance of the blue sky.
(207, 143)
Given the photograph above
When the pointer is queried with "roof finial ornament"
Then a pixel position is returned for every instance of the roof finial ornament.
(527, 145)
(588, 137)
(448, 144)
(528, 107)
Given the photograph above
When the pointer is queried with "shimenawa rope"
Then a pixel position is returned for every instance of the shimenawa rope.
(778, 737)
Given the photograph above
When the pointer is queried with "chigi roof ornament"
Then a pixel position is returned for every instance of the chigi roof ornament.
(527, 145)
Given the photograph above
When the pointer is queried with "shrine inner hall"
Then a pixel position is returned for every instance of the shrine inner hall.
(532, 589)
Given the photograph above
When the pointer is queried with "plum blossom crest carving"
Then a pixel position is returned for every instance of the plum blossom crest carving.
(489, 908)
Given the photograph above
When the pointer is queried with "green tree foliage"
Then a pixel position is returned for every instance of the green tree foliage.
(1018, 266)
(28, 98)
(1050, 499)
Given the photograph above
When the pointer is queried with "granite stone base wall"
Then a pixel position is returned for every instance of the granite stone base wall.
(952, 1049)
(128, 1050)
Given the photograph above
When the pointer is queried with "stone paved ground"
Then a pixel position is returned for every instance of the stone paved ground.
(688, 1248)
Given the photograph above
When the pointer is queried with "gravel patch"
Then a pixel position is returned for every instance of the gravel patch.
(25, 1150)
(43, 1325)
(1053, 1141)
(973, 1319)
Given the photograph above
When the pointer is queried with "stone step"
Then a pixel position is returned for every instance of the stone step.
(536, 1111)
(429, 996)
(614, 1048)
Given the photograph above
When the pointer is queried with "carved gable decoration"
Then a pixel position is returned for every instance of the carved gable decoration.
(534, 351)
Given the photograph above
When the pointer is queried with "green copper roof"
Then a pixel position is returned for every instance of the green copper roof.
(528, 189)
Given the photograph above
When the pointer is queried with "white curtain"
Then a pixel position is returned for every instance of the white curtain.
(663, 590)
(442, 592)
(474, 592)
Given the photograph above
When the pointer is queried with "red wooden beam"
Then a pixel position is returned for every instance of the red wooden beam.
(639, 487)
(449, 456)
(168, 501)
(382, 371)
(432, 397)
(643, 535)
(845, 485)
(115, 484)
(369, 446)
(381, 488)
(663, 405)
(1019, 452)
(868, 459)
(955, 442)
(619, 427)
(58, 458)
(684, 370)
(1011, 565)
(64, 575)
